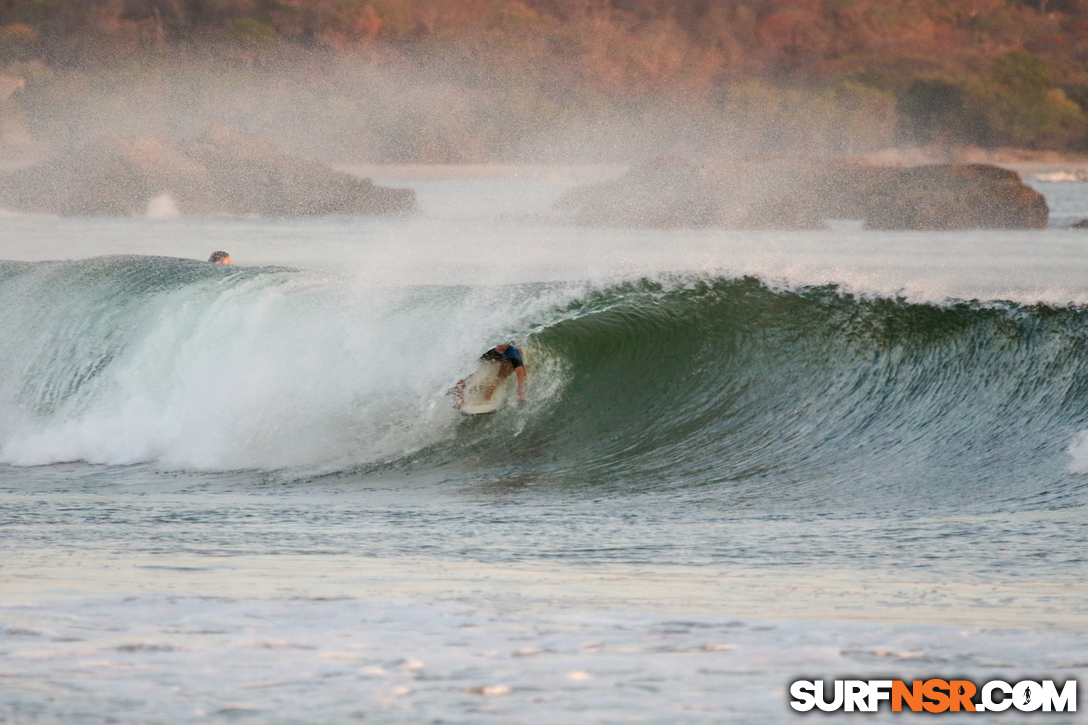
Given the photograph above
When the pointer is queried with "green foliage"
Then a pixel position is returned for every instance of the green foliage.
(1022, 73)
(251, 31)
(830, 76)
(1024, 107)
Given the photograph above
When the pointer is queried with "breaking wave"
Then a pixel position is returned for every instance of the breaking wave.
(693, 384)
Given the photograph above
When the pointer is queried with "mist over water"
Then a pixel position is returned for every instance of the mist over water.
(363, 109)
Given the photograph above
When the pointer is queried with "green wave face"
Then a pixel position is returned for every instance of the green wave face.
(703, 387)
(807, 396)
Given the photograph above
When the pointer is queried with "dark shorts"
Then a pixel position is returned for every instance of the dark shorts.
(495, 356)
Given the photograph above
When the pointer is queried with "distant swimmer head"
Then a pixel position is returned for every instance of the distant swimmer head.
(219, 258)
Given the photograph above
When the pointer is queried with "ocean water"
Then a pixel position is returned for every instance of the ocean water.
(242, 494)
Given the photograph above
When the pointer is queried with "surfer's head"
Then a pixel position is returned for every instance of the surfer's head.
(503, 347)
(219, 258)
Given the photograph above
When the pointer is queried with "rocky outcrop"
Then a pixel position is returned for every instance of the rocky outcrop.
(219, 173)
(802, 194)
(950, 196)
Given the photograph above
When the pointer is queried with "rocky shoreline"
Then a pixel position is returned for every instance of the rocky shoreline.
(781, 193)
(222, 173)
(216, 173)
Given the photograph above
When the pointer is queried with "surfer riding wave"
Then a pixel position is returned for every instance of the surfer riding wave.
(510, 361)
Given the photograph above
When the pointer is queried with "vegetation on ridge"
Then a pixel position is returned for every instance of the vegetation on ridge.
(475, 80)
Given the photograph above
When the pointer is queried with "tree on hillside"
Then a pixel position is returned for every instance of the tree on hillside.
(1025, 106)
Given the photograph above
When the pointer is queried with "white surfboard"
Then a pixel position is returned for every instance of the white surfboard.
(475, 399)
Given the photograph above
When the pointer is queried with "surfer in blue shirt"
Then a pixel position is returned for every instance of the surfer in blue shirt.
(512, 362)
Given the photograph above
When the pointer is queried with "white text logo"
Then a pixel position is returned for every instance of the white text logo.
(934, 695)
